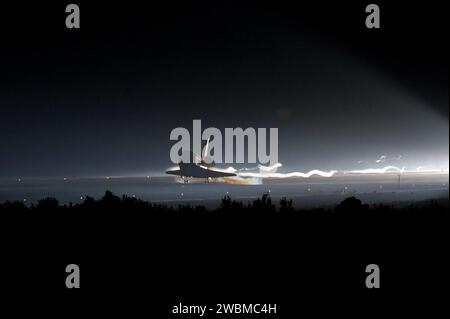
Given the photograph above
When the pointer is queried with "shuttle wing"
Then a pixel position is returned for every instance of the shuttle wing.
(198, 171)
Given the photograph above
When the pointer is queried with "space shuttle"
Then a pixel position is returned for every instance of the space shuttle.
(198, 168)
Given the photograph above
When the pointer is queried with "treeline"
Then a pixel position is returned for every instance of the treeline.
(263, 205)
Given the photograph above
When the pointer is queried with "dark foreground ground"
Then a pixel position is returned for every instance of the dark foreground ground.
(138, 258)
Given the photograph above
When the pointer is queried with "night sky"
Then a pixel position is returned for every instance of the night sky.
(103, 99)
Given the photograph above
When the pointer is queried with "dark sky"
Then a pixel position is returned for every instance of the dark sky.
(103, 99)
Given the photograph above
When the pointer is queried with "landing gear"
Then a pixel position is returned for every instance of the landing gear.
(207, 179)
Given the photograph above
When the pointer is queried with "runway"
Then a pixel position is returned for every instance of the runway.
(305, 192)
